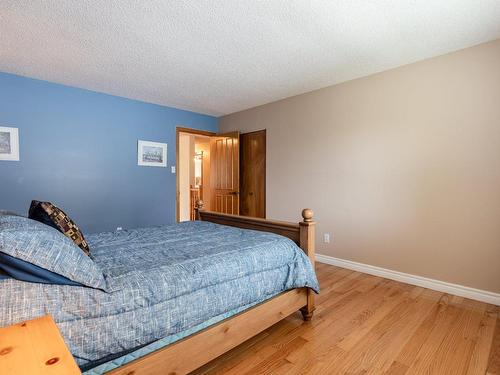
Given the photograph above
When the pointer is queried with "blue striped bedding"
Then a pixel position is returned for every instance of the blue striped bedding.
(161, 282)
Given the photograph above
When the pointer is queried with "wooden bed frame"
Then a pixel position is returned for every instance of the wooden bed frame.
(192, 352)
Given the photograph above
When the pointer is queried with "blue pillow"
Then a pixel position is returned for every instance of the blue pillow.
(37, 244)
(21, 270)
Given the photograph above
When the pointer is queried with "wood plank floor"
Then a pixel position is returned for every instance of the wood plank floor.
(369, 325)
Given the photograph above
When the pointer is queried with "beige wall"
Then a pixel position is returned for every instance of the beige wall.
(402, 167)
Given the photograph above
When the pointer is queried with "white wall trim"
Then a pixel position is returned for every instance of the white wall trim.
(441, 286)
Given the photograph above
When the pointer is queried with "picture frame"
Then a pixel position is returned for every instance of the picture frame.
(151, 154)
(9, 143)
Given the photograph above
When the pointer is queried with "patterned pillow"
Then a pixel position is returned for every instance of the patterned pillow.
(48, 213)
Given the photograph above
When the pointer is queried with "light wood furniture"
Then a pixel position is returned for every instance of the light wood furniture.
(35, 347)
(194, 196)
(194, 351)
(369, 325)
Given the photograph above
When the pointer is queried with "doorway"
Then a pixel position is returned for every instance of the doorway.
(193, 171)
(208, 168)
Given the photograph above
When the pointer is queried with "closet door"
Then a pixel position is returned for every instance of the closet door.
(253, 174)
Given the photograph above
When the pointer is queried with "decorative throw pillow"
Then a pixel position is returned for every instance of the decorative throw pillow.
(50, 214)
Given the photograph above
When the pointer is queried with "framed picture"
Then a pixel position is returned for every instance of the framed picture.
(9, 143)
(151, 154)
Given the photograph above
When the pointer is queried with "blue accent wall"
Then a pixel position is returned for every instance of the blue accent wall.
(78, 149)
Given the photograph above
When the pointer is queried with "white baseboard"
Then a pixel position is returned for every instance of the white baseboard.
(441, 286)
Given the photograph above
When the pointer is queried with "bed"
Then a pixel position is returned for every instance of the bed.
(176, 296)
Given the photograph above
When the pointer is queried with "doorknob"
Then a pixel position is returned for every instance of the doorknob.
(234, 192)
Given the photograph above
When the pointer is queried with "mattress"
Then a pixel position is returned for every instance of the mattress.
(162, 284)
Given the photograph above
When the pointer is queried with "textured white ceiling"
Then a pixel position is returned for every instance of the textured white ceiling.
(222, 56)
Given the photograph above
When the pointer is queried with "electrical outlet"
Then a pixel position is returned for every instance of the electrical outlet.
(326, 238)
(172, 169)
(119, 228)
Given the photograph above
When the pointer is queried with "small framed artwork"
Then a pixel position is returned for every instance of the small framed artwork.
(9, 144)
(151, 154)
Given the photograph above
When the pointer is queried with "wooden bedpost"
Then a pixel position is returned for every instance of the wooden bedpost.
(197, 208)
(307, 240)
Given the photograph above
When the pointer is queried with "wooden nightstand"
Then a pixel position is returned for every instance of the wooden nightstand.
(35, 347)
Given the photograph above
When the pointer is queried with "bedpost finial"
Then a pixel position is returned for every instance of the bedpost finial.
(199, 204)
(307, 214)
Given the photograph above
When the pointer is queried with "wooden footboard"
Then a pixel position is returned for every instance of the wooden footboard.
(198, 349)
(302, 233)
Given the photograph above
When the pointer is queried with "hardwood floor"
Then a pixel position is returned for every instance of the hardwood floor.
(369, 325)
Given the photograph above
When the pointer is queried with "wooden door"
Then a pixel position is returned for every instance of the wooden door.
(253, 174)
(225, 172)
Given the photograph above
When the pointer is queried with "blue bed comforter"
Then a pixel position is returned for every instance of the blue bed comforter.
(160, 281)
